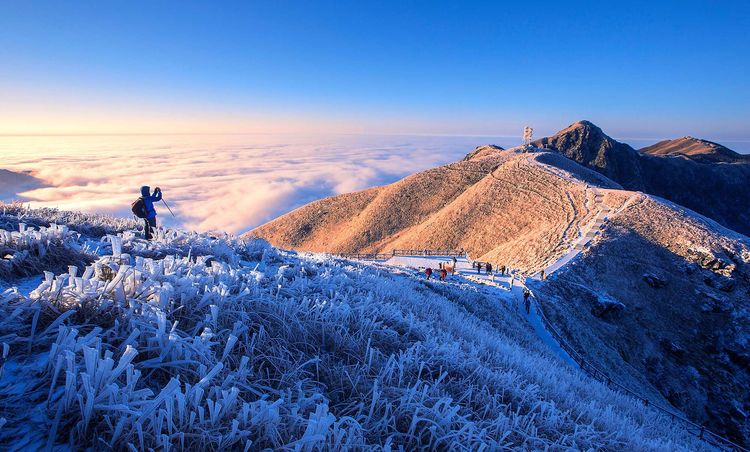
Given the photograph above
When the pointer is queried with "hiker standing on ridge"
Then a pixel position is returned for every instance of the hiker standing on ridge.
(150, 212)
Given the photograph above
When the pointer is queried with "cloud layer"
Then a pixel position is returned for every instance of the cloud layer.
(230, 183)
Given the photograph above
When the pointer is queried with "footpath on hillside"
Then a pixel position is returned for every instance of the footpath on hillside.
(509, 287)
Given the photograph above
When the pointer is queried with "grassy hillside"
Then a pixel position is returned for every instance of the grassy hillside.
(200, 342)
(500, 205)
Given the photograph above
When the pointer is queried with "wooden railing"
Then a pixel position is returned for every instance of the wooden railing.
(367, 256)
(451, 253)
(416, 253)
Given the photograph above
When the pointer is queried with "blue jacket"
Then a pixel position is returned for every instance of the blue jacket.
(149, 200)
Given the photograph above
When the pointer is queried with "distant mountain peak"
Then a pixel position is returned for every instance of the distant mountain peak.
(696, 149)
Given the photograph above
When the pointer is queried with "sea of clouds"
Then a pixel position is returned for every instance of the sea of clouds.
(231, 183)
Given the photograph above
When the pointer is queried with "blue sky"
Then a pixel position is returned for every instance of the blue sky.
(638, 69)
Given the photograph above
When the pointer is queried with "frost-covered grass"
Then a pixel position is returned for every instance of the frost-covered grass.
(93, 225)
(199, 342)
(29, 251)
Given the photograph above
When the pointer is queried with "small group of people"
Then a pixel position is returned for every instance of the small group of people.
(443, 269)
(478, 266)
(487, 268)
(443, 272)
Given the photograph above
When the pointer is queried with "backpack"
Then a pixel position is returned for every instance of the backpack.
(139, 208)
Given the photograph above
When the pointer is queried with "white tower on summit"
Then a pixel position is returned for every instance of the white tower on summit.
(528, 132)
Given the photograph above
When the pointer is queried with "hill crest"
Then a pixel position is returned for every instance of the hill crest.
(696, 149)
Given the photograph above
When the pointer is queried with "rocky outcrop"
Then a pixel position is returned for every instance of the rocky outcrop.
(654, 281)
(606, 307)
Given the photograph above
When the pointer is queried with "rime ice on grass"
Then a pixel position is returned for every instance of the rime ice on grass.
(200, 342)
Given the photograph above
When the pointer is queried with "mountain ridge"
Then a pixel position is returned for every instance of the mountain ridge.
(527, 208)
(703, 176)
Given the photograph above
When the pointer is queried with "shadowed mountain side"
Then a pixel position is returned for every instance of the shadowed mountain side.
(702, 151)
(586, 144)
(12, 183)
(688, 171)
(576, 170)
(665, 291)
(503, 206)
(718, 191)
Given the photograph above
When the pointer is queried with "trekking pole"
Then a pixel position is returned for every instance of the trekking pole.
(170, 210)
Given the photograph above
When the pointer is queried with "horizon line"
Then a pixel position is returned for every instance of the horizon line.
(114, 134)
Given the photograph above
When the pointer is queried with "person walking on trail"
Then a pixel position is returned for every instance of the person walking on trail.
(527, 303)
(148, 204)
(542, 275)
(488, 269)
(502, 270)
(428, 272)
(479, 268)
(526, 295)
(443, 274)
(454, 261)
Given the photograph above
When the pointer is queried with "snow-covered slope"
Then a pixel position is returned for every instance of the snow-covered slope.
(201, 342)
